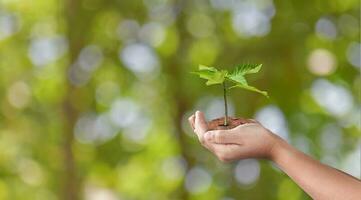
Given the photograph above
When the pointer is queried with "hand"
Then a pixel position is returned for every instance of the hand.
(250, 140)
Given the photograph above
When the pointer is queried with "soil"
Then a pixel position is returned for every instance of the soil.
(218, 124)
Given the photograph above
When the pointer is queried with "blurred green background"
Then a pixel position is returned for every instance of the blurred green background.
(95, 95)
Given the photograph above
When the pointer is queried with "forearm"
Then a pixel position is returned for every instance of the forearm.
(320, 181)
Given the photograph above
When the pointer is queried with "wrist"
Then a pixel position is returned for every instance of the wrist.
(279, 148)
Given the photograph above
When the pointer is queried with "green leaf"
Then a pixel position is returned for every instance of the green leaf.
(203, 67)
(217, 78)
(237, 78)
(211, 74)
(244, 69)
(250, 88)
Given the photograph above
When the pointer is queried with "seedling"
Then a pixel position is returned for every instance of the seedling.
(238, 80)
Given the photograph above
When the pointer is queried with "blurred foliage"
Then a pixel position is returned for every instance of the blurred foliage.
(95, 94)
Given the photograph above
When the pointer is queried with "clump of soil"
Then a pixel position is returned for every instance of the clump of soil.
(218, 124)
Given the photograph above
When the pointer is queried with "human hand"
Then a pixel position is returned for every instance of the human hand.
(249, 140)
(252, 140)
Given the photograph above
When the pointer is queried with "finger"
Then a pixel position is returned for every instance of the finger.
(200, 126)
(200, 123)
(225, 152)
(191, 121)
(223, 137)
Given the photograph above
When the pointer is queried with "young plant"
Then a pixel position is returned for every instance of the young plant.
(236, 77)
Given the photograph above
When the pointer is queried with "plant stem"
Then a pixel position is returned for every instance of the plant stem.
(225, 104)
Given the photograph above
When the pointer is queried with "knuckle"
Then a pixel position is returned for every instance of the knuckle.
(206, 145)
(202, 141)
(191, 118)
(226, 157)
(223, 157)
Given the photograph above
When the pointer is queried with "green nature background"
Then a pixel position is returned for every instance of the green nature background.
(95, 94)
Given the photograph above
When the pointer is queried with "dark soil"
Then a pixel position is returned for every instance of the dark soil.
(218, 124)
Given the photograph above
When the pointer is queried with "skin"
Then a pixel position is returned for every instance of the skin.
(252, 140)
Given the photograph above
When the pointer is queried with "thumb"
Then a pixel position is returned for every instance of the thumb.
(222, 137)
(200, 123)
